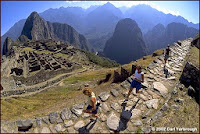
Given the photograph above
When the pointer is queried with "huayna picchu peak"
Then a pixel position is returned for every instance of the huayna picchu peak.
(36, 28)
(127, 43)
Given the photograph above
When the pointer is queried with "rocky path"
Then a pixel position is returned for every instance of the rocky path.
(115, 116)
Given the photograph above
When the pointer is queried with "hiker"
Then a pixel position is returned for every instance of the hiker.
(136, 83)
(93, 104)
(167, 50)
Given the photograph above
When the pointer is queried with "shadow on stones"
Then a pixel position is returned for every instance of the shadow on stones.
(24, 129)
(165, 72)
(125, 117)
(86, 129)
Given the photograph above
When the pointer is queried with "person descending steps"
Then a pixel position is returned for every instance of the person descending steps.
(167, 50)
(93, 104)
(136, 83)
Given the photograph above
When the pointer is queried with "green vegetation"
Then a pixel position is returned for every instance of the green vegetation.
(101, 61)
(12, 109)
(139, 130)
(28, 49)
(44, 51)
(194, 56)
(143, 62)
(65, 56)
(87, 76)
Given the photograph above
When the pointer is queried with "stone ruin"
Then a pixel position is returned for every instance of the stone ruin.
(190, 78)
(38, 62)
(119, 77)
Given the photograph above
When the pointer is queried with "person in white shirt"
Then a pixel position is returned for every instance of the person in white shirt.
(93, 104)
(136, 83)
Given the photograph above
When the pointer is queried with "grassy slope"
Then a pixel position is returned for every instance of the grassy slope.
(31, 106)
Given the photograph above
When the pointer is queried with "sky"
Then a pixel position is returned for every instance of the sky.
(13, 11)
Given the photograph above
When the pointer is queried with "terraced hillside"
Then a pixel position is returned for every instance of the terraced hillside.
(34, 65)
(139, 114)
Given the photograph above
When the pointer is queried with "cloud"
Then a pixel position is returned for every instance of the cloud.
(166, 11)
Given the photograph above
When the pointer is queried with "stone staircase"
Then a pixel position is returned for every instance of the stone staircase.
(115, 116)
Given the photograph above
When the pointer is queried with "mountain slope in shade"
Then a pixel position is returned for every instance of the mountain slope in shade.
(159, 37)
(101, 22)
(7, 46)
(14, 32)
(36, 28)
(127, 43)
(147, 17)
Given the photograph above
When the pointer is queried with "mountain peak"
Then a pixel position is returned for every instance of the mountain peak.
(127, 43)
(108, 4)
(34, 14)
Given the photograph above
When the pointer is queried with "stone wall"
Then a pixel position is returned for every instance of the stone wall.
(190, 77)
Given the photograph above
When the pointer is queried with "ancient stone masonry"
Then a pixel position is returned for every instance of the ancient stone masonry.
(190, 77)
(140, 111)
(195, 41)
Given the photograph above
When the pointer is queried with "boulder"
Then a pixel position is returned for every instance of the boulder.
(157, 115)
(103, 117)
(45, 119)
(86, 115)
(24, 125)
(104, 96)
(68, 123)
(158, 86)
(71, 130)
(165, 107)
(66, 114)
(53, 117)
(191, 91)
(143, 97)
(179, 100)
(145, 85)
(136, 113)
(79, 124)
(105, 108)
(115, 106)
(112, 121)
(38, 121)
(114, 92)
(59, 128)
(45, 130)
(77, 109)
(52, 128)
(152, 103)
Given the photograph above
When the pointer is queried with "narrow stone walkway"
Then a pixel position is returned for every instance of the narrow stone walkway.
(114, 115)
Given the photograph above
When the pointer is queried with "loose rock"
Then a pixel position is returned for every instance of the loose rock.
(114, 92)
(112, 121)
(45, 130)
(104, 96)
(68, 123)
(152, 103)
(77, 109)
(66, 114)
(79, 124)
(160, 88)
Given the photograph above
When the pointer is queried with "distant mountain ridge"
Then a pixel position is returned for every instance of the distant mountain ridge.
(160, 36)
(36, 28)
(127, 43)
(148, 17)
(98, 26)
